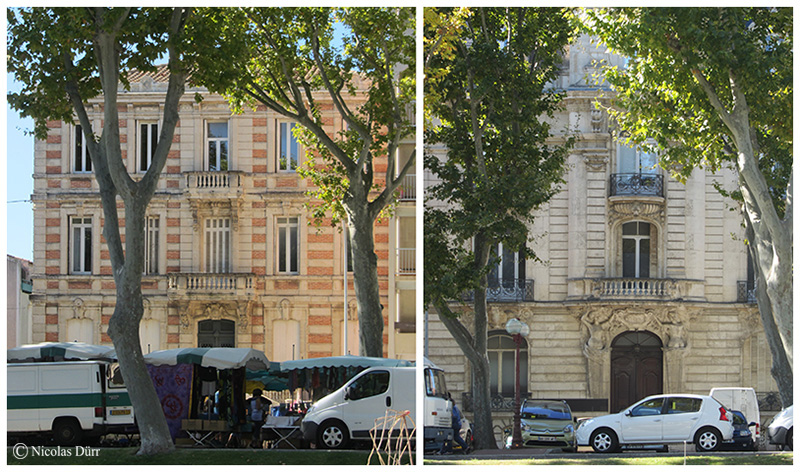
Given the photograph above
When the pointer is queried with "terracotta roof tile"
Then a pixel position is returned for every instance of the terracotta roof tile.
(161, 74)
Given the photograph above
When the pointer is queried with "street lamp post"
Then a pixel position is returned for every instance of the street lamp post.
(517, 329)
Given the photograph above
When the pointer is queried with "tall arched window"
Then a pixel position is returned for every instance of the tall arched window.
(636, 249)
(501, 350)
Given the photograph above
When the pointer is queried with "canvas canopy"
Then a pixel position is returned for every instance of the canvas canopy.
(343, 361)
(218, 357)
(60, 351)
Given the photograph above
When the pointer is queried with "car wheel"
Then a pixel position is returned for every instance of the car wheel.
(332, 435)
(789, 442)
(604, 440)
(707, 439)
(67, 432)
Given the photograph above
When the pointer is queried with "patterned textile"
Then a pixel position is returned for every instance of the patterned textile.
(173, 385)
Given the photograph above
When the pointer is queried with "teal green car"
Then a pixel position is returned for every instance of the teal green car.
(547, 423)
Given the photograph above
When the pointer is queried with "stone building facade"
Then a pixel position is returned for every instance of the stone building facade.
(231, 259)
(646, 288)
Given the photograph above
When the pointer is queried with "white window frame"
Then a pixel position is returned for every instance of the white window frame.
(77, 247)
(217, 141)
(637, 245)
(497, 375)
(85, 160)
(499, 266)
(145, 152)
(287, 137)
(284, 238)
(152, 245)
(217, 246)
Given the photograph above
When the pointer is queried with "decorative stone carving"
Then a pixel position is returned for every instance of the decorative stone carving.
(234, 311)
(245, 310)
(601, 324)
(283, 309)
(596, 160)
(78, 308)
(619, 210)
(352, 310)
(597, 120)
(146, 312)
(202, 208)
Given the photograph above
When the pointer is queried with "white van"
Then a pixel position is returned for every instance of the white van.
(350, 412)
(742, 399)
(437, 423)
(69, 400)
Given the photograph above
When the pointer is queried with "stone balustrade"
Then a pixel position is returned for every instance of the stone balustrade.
(209, 180)
(624, 288)
(408, 188)
(406, 261)
(211, 283)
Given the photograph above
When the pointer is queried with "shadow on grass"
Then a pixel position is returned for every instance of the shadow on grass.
(127, 456)
(753, 459)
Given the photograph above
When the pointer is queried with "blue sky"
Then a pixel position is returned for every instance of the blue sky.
(19, 180)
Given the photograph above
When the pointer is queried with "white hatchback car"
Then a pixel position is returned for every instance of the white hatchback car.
(660, 419)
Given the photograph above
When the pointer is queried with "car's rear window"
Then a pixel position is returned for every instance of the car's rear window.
(546, 411)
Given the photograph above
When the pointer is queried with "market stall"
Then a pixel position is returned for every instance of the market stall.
(203, 390)
(57, 352)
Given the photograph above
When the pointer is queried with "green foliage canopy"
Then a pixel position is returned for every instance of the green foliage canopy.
(293, 59)
(491, 97)
(660, 96)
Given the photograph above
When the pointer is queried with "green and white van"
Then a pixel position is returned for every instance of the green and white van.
(70, 400)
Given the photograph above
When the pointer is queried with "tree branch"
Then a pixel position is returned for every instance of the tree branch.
(175, 90)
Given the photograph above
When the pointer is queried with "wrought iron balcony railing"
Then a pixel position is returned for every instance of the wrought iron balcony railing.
(745, 293)
(498, 402)
(651, 185)
(513, 290)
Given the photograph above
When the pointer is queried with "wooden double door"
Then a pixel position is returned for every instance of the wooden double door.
(637, 368)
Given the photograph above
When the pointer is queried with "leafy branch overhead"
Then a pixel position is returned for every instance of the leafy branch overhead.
(301, 61)
(493, 157)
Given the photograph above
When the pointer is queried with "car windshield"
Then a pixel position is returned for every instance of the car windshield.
(546, 411)
(435, 385)
(738, 418)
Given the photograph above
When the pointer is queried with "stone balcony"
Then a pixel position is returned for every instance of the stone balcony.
(211, 284)
(648, 185)
(408, 188)
(635, 289)
(406, 261)
(215, 184)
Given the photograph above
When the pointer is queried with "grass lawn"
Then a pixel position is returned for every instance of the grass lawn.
(754, 459)
(126, 456)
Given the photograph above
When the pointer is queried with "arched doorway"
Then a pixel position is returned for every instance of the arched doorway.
(216, 333)
(637, 368)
